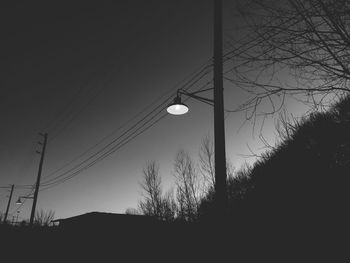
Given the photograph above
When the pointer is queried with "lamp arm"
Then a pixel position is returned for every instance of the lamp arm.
(194, 96)
(26, 197)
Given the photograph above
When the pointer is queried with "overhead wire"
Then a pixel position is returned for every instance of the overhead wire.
(133, 134)
(100, 155)
(117, 129)
(122, 143)
(202, 72)
(189, 83)
(25, 199)
(79, 168)
(72, 116)
(67, 117)
(110, 151)
(61, 115)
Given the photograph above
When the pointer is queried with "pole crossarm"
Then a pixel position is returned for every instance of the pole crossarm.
(195, 96)
(27, 197)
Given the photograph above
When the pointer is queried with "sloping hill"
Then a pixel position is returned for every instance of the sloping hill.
(297, 195)
(306, 177)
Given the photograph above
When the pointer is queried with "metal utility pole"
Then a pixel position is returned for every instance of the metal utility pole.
(38, 179)
(8, 204)
(219, 120)
(17, 217)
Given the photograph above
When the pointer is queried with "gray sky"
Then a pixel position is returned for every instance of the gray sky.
(81, 72)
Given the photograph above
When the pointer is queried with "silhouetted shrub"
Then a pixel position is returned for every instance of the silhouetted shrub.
(302, 184)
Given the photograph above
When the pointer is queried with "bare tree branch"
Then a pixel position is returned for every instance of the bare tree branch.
(298, 48)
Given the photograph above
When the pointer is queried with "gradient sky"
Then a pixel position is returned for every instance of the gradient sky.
(79, 71)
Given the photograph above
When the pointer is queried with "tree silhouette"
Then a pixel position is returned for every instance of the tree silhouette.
(303, 182)
(206, 162)
(155, 204)
(151, 186)
(132, 211)
(238, 186)
(193, 183)
(169, 207)
(188, 186)
(43, 218)
(294, 47)
(294, 198)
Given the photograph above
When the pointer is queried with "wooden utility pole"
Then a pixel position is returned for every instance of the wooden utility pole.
(38, 179)
(8, 204)
(219, 120)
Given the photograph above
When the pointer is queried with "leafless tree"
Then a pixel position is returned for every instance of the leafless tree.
(151, 185)
(132, 211)
(230, 169)
(206, 162)
(169, 207)
(294, 47)
(188, 183)
(192, 183)
(155, 203)
(44, 218)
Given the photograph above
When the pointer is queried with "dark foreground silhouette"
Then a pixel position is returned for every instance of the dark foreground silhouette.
(291, 206)
(130, 240)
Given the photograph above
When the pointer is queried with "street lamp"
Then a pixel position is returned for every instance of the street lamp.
(19, 201)
(17, 218)
(178, 108)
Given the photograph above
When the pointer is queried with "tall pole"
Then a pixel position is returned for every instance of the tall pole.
(8, 204)
(17, 217)
(219, 120)
(38, 180)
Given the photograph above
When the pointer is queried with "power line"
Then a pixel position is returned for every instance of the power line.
(59, 114)
(131, 136)
(203, 67)
(60, 179)
(77, 169)
(100, 158)
(25, 199)
(189, 84)
(71, 116)
(16, 187)
(104, 138)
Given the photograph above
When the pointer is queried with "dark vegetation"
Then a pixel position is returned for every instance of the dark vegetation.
(293, 201)
(295, 197)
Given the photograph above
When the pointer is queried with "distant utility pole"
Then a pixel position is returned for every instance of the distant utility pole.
(8, 204)
(38, 178)
(17, 217)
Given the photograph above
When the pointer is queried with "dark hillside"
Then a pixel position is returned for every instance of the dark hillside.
(296, 197)
(300, 190)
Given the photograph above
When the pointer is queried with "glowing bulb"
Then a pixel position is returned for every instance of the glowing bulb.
(177, 109)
